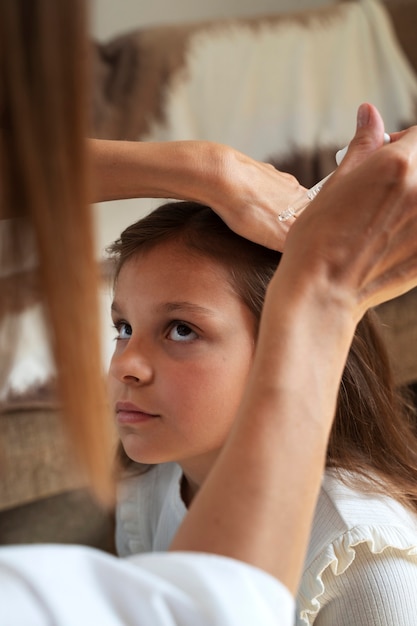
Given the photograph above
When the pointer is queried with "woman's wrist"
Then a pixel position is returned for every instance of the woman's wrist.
(191, 170)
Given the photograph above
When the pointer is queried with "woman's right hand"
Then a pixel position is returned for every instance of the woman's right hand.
(359, 235)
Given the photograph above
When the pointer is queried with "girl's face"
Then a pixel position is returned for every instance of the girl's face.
(184, 347)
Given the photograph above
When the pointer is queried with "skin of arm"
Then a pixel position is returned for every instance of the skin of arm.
(247, 194)
(278, 444)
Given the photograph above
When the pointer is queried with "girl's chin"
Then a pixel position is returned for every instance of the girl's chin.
(143, 456)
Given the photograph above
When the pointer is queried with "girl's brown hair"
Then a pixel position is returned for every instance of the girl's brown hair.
(44, 193)
(373, 441)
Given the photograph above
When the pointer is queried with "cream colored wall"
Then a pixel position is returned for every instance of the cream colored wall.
(111, 17)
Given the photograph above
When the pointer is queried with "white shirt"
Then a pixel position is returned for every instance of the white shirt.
(361, 565)
(52, 585)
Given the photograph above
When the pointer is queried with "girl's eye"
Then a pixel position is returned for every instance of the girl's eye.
(181, 332)
(124, 330)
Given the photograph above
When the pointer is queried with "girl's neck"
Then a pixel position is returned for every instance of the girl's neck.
(195, 472)
(188, 489)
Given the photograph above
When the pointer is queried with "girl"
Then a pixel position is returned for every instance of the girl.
(188, 298)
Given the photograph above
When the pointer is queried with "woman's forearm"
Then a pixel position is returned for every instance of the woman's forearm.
(277, 448)
(130, 169)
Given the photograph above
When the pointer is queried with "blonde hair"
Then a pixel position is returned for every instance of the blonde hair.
(44, 194)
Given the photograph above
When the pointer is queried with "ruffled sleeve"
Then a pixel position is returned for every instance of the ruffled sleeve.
(329, 584)
(349, 562)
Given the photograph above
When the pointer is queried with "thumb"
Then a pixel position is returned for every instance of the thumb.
(369, 136)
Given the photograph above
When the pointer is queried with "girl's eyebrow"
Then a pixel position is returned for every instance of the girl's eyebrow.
(172, 307)
(189, 307)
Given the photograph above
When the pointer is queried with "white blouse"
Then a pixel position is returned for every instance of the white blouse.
(361, 565)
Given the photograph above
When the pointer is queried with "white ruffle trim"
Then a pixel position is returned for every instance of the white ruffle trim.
(340, 554)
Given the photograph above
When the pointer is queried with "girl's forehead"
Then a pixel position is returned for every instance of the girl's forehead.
(177, 252)
(171, 273)
(173, 269)
(173, 259)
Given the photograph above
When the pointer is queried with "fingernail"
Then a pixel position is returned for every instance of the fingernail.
(363, 116)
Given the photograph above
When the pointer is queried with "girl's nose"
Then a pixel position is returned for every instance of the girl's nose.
(130, 365)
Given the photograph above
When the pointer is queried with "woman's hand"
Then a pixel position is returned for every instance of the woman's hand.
(359, 236)
(249, 196)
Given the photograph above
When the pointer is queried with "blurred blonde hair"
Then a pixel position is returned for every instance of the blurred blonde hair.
(44, 196)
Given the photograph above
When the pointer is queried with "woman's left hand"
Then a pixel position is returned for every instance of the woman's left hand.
(250, 195)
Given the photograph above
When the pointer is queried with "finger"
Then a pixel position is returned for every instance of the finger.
(369, 136)
(406, 139)
(401, 133)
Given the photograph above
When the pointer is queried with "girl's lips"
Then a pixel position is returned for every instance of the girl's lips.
(128, 413)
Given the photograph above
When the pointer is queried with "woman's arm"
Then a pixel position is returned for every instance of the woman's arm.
(257, 504)
(247, 194)
(354, 247)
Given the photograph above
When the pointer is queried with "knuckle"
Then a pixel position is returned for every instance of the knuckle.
(397, 168)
